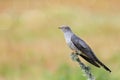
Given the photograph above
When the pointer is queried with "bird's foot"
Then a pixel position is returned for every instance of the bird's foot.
(74, 56)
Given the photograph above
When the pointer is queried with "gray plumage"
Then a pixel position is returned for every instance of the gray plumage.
(80, 47)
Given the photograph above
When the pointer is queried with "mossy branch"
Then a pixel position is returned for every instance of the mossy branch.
(84, 68)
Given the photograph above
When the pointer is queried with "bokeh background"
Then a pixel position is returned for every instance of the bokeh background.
(33, 48)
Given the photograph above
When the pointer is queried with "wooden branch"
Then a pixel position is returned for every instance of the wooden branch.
(85, 69)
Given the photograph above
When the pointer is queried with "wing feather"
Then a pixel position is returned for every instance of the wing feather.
(83, 47)
(89, 55)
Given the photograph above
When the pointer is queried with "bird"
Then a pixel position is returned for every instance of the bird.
(78, 45)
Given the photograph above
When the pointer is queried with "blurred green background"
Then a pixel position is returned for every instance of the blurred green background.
(33, 48)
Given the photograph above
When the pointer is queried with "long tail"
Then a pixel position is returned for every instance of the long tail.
(105, 67)
(90, 60)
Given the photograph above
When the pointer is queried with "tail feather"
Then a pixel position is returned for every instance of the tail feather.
(100, 63)
(90, 60)
(105, 67)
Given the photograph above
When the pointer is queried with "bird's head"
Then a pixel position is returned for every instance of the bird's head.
(65, 28)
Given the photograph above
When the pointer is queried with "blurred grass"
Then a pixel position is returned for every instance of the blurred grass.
(32, 46)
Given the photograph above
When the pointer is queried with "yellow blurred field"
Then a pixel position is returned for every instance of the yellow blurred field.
(33, 48)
